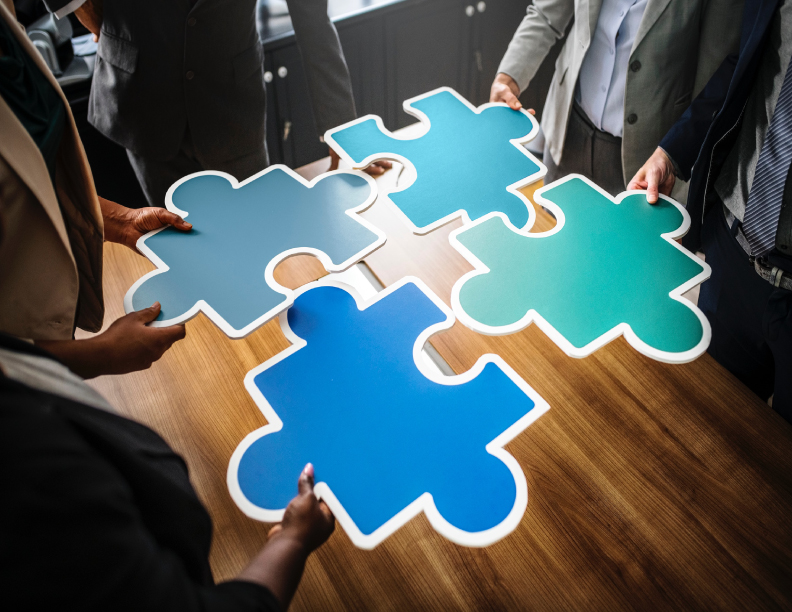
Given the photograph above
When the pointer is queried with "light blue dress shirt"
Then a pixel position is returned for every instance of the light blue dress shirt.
(603, 74)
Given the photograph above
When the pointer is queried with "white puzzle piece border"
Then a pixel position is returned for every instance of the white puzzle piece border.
(622, 329)
(269, 277)
(413, 172)
(425, 502)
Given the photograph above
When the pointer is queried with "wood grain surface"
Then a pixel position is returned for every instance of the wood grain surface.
(651, 486)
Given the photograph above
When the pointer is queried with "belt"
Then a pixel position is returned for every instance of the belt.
(772, 274)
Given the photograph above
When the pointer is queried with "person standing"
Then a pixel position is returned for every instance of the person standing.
(180, 85)
(734, 144)
(626, 73)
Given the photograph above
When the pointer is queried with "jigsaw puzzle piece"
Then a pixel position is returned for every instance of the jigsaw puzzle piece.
(224, 265)
(382, 436)
(604, 270)
(465, 161)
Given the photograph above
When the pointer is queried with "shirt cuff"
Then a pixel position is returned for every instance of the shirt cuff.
(69, 8)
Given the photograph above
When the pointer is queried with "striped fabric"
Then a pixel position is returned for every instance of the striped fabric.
(764, 202)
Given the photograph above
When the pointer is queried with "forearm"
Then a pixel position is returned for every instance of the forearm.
(278, 567)
(83, 357)
(544, 23)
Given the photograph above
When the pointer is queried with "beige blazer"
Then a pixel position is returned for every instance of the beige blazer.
(679, 45)
(50, 254)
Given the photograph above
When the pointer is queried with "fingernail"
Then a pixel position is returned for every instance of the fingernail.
(187, 225)
(309, 469)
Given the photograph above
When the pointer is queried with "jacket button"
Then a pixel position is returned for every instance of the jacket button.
(192, 21)
(635, 66)
(190, 74)
(632, 118)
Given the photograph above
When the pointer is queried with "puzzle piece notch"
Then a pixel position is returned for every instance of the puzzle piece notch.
(380, 434)
(603, 266)
(465, 161)
(224, 265)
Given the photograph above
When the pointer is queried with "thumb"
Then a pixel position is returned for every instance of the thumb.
(147, 315)
(166, 217)
(306, 482)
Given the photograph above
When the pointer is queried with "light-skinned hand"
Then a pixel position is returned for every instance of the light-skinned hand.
(505, 89)
(307, 520)
(126, 225)
(378, 168)
(656, 176)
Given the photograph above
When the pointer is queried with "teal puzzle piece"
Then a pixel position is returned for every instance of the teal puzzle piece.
(608, 267)
(224, 266)
(469, 161)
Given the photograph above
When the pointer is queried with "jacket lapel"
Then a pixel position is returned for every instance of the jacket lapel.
(654, 9)
(20, 151)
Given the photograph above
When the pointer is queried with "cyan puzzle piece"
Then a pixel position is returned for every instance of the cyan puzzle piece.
(387, 440)
(609, 267)
(470, 162)
(225, 265)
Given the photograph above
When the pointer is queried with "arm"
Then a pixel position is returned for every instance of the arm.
(76, 527)
(544, 23)
(306, 525)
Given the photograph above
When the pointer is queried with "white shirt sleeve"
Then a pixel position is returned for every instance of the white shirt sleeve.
(69, 8)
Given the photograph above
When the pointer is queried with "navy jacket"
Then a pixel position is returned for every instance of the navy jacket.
(704, 135)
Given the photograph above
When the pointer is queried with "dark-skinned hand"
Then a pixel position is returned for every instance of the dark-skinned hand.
(378, 168)
(307, 520)
(126, 225)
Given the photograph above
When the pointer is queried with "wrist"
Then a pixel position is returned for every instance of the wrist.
(116, 220)
(289, 538)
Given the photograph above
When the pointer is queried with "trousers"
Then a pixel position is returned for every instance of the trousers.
(751, 319)
(588, 151)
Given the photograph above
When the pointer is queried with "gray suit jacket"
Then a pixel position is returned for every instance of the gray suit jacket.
(679, 45)
(164, 65)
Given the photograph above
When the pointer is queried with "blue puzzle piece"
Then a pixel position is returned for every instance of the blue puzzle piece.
(224, 266)
(604, 270)
(465, 162)
(385, 440)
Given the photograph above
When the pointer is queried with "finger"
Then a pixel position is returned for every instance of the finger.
(325, 509)
(384, 163)
(653, 183)
(306, 482)
(532, 111)
(374, 170)
(275, 530)
(166, 217)
(512, 100)
(174, 333)
(147, 315)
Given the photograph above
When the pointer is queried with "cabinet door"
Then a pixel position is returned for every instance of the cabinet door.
(273, 122)
(363, 42)
(295, 121)
(427, 46)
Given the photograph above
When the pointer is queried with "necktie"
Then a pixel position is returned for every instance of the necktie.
(764, 202)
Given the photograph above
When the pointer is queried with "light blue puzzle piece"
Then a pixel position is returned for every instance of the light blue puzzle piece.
(386, 441)
(470, 160)
(224, 266)
(608, 267)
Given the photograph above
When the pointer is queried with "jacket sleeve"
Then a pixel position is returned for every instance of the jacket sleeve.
(326, 69)
(73, 537)
(544, 23)
(685, 138)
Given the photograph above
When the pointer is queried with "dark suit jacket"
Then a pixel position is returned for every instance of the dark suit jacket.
(98, 513)
(165, 64)
(706, 132)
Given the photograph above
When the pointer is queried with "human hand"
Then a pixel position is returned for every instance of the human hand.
(127, 225)
(505, 89)
(131, 345)
(656, 176)
(91, 15)
(307, 521)
(376, 169)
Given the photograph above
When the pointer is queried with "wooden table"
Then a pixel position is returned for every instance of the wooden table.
(651, 486)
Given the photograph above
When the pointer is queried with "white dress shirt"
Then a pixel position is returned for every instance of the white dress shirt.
(603, 74)
(69, 8)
